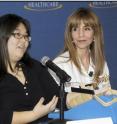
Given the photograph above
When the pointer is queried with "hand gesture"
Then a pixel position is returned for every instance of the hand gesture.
(41, 110)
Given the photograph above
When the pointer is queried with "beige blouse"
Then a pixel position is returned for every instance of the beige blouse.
(78, 79)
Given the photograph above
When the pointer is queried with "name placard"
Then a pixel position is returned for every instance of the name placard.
(106, 120)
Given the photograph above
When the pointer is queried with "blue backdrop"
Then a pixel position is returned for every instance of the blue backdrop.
(48, 23)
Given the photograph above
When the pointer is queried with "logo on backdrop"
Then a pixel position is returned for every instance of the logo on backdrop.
(103, 4)
(43, 6)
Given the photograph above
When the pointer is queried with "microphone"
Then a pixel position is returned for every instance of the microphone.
(59, 72)
(81, 90)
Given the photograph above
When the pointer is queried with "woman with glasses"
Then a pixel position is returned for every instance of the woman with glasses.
(22, 79)
(27, 91)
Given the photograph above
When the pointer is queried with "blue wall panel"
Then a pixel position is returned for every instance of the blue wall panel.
(48, 23)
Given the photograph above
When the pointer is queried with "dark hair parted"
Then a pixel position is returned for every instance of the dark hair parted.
(8, 23)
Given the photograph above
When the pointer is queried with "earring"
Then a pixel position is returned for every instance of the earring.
(74, 44)
(93, 40)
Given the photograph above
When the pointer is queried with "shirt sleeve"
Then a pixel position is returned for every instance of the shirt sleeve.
(5, 116)
(50, 86)
(5, 111)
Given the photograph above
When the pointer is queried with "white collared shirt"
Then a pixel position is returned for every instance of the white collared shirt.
(78, 79)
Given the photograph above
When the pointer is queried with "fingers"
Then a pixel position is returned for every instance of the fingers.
(41, 100)
(39, 104)
(40, 109)
(52, 104)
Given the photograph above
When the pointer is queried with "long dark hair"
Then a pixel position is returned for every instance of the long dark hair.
(8, 23)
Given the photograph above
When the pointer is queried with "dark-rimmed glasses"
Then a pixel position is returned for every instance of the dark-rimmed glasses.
(20, 36)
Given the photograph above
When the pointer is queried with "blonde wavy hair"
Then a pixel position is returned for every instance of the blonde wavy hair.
(89, 18)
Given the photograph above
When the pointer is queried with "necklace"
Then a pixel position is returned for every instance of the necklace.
(15, 72)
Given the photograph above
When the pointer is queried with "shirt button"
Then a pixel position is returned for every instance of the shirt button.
(26, 94)
(24, 87)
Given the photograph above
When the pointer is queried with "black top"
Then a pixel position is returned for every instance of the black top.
(14, 96)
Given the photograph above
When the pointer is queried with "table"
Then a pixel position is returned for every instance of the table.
(89, 110)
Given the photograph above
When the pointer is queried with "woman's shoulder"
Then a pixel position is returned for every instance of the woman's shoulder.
(106, 68)
(36, 64)
(35, 61)
(39, 68)
(64, 57)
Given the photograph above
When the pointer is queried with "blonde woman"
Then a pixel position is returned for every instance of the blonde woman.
(83, 54)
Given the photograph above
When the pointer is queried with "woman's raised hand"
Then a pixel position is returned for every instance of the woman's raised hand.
(41, 110)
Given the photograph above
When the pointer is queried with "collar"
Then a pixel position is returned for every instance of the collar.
(90, 69)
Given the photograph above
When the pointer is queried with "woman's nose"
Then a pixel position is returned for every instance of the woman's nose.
(81, 32)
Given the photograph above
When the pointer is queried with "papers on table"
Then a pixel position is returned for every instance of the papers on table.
(107, 120)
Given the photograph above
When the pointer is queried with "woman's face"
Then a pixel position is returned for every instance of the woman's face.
(82, 36)
(18, 43)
